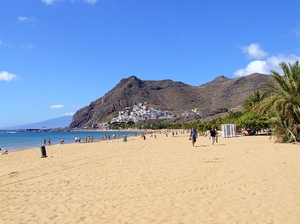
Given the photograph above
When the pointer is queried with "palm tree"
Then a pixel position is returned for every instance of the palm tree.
(253, 99)
(281, 102)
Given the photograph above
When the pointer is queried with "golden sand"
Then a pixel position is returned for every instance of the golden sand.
(246, 179)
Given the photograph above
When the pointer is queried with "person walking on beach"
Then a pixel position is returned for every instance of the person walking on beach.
(193, 135)
(212, 134)
(49, 141)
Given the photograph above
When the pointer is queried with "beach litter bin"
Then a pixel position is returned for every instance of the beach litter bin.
(125, 139)
(43, 151)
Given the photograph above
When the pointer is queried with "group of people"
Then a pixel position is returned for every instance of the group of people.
(45, 141)
(86, 139)
(77, 139)
(212, 135)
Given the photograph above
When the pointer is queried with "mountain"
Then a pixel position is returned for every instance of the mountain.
(175, 97)
(64, 121)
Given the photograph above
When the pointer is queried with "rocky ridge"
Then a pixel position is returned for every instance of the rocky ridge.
(176, 97)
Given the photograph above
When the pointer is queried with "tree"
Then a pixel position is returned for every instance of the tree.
(232, 117)
(253, 99)
(251, 121)
(281, 102)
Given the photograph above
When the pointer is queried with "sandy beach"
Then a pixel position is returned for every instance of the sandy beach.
(246, 179)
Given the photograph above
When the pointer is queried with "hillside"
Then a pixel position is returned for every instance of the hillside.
(51, 123)
(175, 97)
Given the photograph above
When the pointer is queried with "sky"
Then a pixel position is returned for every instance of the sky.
(58, 56)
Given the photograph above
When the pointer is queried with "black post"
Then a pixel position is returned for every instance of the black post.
(43, 152)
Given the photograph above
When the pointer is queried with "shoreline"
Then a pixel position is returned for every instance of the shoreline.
(17, 142)
(69, 143)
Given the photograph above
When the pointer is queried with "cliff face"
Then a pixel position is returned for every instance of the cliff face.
(175, 97)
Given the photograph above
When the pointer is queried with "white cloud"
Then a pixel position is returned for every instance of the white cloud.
(5, 76)
(265, 66)
(25, 19)
(274, 61)
(58, 106)
(91, 1)
(22, 18)
(254, 51)
(69, 114)
(257, 66)
(51, 2)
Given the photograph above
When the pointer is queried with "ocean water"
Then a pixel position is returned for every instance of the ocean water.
(14, 140)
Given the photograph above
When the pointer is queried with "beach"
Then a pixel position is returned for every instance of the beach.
(245, 179)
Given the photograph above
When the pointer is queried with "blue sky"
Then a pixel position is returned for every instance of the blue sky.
(57, 56)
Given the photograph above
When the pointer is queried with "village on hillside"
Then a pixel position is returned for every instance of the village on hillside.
(142, 111)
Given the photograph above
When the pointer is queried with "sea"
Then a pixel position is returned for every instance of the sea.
(17, 140)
